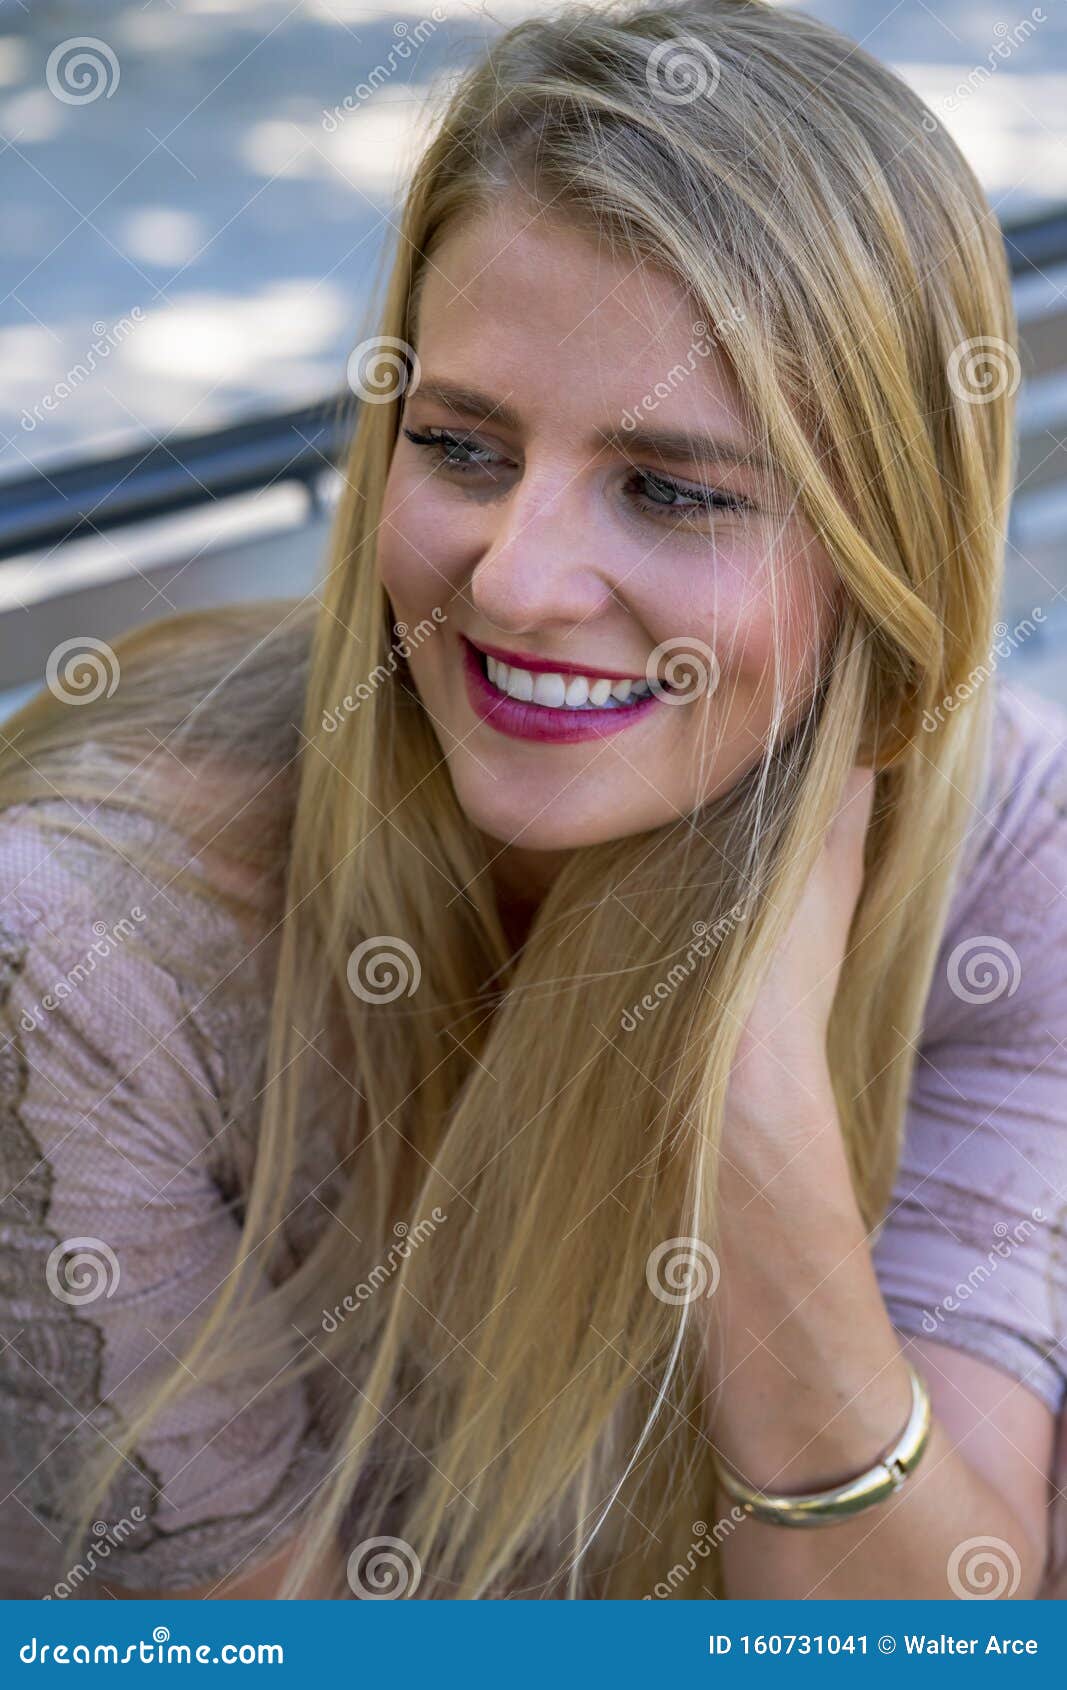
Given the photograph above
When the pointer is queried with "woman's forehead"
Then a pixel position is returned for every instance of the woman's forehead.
(550, 329)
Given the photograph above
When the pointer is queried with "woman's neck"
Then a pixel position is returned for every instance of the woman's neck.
(521, 878)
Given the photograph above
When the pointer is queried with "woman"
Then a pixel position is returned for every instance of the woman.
(541, 1071)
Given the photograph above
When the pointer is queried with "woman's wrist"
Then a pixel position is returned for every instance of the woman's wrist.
(810, 1384)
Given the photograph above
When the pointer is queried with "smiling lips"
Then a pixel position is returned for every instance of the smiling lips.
(544, 703)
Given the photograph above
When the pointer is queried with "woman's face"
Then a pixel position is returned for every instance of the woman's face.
(553, 519)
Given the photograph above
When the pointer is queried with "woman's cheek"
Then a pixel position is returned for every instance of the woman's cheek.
(414, 559)
(722, 615)
(770, 637)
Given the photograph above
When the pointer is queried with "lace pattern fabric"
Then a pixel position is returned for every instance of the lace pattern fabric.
(114, 1234)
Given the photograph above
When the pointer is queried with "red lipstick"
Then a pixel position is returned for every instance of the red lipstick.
(542, 721)
(546, 666)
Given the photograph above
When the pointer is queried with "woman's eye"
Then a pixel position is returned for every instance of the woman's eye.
(654, 495)
(687, 504)
(451, 449)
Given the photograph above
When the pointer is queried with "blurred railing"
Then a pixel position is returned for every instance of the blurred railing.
(101, 544)
(90, 497)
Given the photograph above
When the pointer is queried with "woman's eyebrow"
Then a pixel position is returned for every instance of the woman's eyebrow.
(467, 399)
(670, 444)
(681, 445)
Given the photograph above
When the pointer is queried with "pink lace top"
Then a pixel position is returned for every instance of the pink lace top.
(122, 1171)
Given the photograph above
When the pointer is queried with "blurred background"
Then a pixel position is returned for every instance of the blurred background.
(199, 198)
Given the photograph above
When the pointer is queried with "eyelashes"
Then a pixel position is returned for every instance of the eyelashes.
(459, 454)
(705, 499)
(447, 447)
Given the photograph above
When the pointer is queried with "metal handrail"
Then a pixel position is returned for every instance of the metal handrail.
(91, 495)
(1036, 243)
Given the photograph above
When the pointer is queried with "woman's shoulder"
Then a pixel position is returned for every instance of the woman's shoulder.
(1005, 938)
(1028, 758)
(142, 862)
(179, 774)
(973, 1249)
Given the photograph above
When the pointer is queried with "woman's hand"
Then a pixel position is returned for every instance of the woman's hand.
(781, 1058)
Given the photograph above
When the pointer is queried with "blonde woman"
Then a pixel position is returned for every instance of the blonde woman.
(540, 1069)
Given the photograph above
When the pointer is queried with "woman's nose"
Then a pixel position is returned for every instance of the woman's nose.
(543, 560)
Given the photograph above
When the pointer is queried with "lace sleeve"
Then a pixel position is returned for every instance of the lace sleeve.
(114, 1238)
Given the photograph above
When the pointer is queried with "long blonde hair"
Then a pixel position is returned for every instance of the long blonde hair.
(516, 1402)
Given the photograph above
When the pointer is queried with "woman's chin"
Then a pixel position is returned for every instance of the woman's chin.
(548, 823)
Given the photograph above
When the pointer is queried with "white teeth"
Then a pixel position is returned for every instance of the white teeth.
(520, 685)
(573, 692)
(549, 689)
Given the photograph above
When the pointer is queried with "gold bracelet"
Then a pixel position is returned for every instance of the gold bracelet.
(826, 1507)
